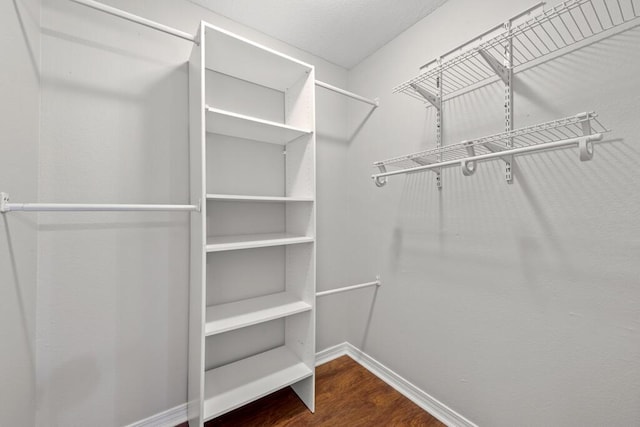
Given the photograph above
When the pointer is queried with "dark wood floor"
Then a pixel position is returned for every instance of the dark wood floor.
(346, 395)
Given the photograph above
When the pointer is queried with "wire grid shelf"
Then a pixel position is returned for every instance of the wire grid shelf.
(577, 126)
(560, 27)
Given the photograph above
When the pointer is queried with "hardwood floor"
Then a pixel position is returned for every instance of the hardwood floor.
(346, 395)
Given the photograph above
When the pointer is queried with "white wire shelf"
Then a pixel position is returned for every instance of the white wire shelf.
(556, 29)
(579, 130)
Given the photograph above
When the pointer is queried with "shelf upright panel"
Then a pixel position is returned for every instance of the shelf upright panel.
(195, 405)
(300, 174)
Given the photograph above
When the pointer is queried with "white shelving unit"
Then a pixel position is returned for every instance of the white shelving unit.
(252, 299)
(524, 41)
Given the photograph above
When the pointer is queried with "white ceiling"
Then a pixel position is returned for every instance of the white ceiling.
(341, 31)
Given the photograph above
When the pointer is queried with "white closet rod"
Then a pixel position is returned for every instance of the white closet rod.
(373, 102)
(137, 19)
(186, 36)
(5, 206)
(377, 282)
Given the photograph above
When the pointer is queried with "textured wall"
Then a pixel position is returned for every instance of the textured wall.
(113, 288)
(19, 126)
(513, 304)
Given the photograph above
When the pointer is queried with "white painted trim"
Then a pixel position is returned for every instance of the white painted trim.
(448, 416)
(169, 418)
(427, 402)
(331, 353)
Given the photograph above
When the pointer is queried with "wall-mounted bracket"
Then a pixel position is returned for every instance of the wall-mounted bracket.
(495, 148)
(4, 202)
(431, 98)
(586, 144)
(468, 166)
(381, 181)
(496, 66)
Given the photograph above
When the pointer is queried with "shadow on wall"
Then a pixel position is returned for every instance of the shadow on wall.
(14, 276)
(25, 33)
(117, 132)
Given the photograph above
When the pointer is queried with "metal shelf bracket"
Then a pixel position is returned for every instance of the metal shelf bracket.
(4, 203)
(381, 181)
(496, 66)
(431, 98)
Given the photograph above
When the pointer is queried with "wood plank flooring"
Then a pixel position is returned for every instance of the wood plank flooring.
(346, 395)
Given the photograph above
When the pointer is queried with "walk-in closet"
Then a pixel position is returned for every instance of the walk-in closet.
(319, 213)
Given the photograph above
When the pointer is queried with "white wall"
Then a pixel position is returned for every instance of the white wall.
(513, 304)
(19, 125)
(113, 288)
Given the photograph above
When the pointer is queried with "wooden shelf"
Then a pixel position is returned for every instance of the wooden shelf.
(240, 126)
(233, 385)
(243, 59)
(242, 198)
(239, 314)
(248, 241)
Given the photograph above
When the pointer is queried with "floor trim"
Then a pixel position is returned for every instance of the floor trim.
(178, 415)
(169, 418)
(427, 402)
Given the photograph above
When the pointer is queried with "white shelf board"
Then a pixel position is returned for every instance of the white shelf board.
(241, 58)
(231, 386)
(243, 198)
(239, 314)
(248, 241)
(240, 126)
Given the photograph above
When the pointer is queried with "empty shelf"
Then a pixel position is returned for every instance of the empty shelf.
(243, 198)
(555, 30)
(227, 317)
(247, 241)
(241, 126)
(243, 59)
(241, 382)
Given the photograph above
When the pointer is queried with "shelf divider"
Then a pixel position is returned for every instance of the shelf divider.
(244, 198)
(231, 386)
(241, 126)
(239, 314)
(248, 241)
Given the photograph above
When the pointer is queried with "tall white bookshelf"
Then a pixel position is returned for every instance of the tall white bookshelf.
(252, 290)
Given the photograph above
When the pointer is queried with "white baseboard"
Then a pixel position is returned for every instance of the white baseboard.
(169, 418)
(448, 416)
(328, 354)
(427, 402)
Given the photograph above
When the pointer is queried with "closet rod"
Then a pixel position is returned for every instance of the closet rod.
(373, 102)
(186, 36)
(545, 146)
(137, 19)
(5, 206)
(377, 282)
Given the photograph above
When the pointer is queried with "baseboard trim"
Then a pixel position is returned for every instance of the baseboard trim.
(169, 418)
(331, 353)
(427, 402)
(174, 416)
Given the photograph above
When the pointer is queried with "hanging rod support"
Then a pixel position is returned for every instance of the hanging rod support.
(376, 283)
(496, 66)
(374, 102)
(5, 206)
(431, 98)
(136, 19)
(495, 148)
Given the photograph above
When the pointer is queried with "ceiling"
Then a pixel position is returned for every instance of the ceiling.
(341, 31)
